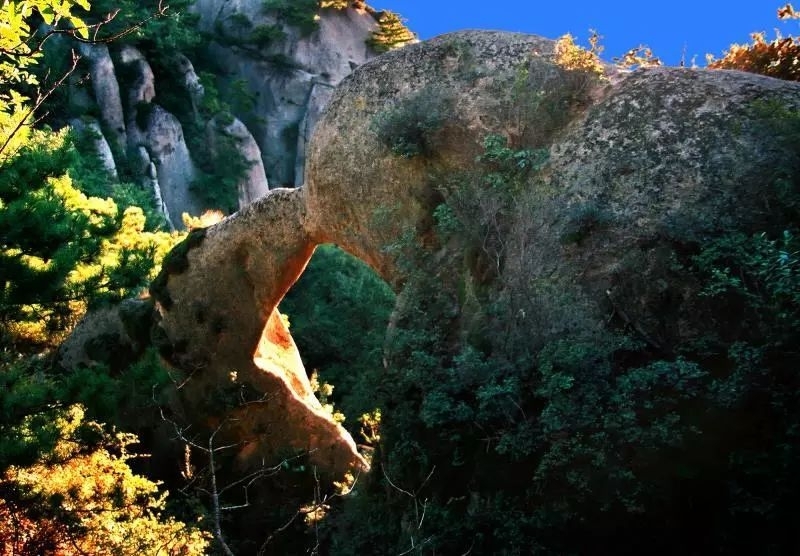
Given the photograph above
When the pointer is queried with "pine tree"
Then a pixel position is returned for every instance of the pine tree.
(391, 33)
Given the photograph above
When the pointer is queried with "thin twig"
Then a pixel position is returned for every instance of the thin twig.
(40, 100)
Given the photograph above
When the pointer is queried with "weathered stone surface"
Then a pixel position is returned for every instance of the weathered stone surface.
(142, 88)
(106, 91)
(111, 336)
(157, 149)
(240, 346)
(468, 75)
(254, 183)
(641, 166)
(318, 99)
(190, 81)
(162, 139)
(104, 154)
(284, 77)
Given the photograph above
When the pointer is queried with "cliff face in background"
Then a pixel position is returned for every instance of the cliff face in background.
(287, 74)
(291, 78)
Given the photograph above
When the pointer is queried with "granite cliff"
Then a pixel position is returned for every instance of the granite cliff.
(275, 79)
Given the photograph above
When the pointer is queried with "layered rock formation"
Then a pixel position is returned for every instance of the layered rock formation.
(640, 166)
(289, 74)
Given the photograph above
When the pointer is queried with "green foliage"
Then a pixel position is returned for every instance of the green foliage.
(761, 274)
(281, 63)
(507, 165)
(65, 479)
(477, 203)
(301, 14)
(61, 250)
(224, 169)
(221, 163)
(264, 36)
(82, 496)
(242, 100)
(409, 128)
(519, 434)
(159, 36)
(71, 237)
(19, 53)
(339, 310)
(584, 218)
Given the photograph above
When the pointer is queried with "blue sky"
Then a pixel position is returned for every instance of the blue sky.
(699, 26)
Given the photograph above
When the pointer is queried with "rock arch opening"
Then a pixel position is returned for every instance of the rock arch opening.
(239, 367)
(338, 312)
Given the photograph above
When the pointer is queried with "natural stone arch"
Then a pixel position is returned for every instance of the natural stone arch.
(651, 148)
(217, 299)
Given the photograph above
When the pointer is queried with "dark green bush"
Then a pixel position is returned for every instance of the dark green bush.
(515, 439)
(301, 14)
(409, 127)
(264, 36)
(339, 309)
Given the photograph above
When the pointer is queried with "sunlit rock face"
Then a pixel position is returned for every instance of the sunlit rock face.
(238, 366)
(277, 91)
(639, 168)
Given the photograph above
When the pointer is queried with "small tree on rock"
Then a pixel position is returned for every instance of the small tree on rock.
(391, 33)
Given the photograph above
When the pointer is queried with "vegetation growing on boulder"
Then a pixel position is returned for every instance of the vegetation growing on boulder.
(391, 33)
(511, 425)
(409, 127)
(301, 14)
(775, 58)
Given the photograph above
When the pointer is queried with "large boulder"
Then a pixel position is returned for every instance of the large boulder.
(240, 369)
(632, 168)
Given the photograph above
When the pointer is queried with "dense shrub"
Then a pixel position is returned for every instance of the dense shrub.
(409, 127)
(512, 432)
(775, 58)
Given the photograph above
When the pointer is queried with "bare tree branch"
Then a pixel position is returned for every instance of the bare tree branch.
(40, 98)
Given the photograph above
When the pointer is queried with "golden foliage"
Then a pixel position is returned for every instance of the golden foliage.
(640, 57)
(574, 57)
(324, 391)
(79, 500)
(19, 51)
(778, 58)
(130, 239)
(788, 12)
(208, 218)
